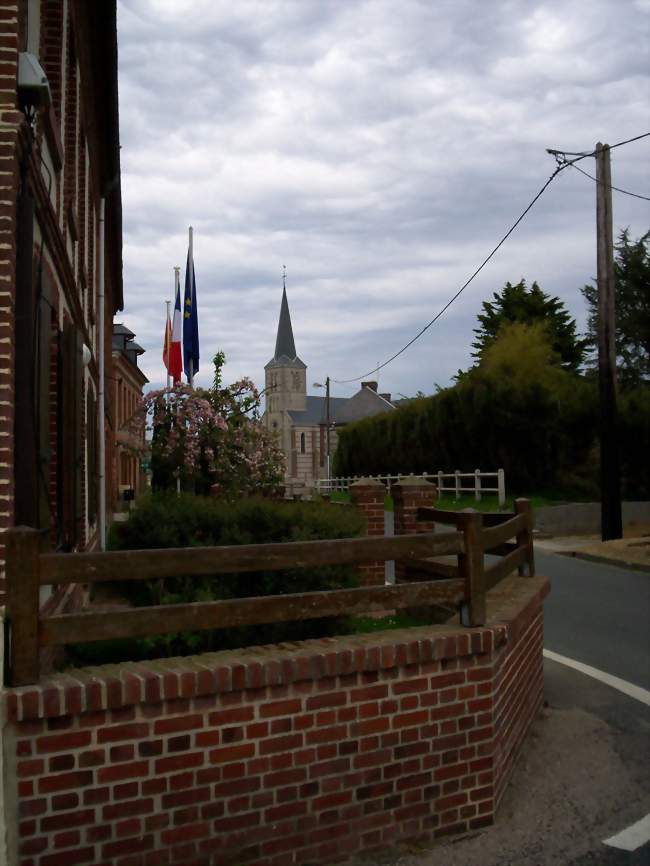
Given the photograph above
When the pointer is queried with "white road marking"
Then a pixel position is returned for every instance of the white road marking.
(632, 837)
(629, 689)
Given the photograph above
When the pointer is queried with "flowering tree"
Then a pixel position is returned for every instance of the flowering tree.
(209, 437)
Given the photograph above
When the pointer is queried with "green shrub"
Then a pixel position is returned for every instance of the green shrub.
(543, 432)
(166, 520)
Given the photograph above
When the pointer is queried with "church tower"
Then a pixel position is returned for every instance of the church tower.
(285, 379)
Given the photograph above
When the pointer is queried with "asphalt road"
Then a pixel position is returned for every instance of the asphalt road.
(598, 614)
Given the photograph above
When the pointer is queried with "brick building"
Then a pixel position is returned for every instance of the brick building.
(128, 382)
(299, 420)
(59, 157)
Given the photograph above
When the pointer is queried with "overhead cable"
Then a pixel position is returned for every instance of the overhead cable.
(610, 186)
(560, 156)
(462, 288)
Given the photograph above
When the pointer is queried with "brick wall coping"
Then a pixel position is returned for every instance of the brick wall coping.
(93, 689)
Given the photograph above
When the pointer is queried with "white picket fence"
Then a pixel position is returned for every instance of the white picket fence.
(459, 487)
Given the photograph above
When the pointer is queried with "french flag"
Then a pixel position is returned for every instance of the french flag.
(175, 365)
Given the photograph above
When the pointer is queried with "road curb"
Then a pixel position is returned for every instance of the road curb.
(605, 560)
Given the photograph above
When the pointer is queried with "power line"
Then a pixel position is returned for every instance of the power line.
(628, 140)
(560, 156)
(462, 288)
(617, 188)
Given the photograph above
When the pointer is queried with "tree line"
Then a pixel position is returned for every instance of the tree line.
(529, 403)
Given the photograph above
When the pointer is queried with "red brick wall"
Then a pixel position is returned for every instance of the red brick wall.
(304, 753)
(59, 35)
(409, 494)
(10, 123)
(368, 496)
(518, 689)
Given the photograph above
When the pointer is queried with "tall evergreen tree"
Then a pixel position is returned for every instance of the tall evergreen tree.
(632, 298)
(527, 306)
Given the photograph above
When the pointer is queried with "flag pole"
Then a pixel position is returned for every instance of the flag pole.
(191, 270)
(168, 343)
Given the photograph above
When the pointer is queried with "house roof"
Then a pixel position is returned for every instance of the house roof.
(315, 413)
(343, 410)
(123, 345)
(122, 330)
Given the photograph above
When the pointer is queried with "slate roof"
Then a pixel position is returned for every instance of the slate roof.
(343, 410)
(122, 341)
(315, 411)
(285, 347)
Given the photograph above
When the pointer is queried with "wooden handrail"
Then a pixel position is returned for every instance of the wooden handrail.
(505, 566)
(72, 628)
(28, 569)
(495, 535)
(121, 565)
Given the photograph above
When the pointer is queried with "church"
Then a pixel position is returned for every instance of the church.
(299, 420)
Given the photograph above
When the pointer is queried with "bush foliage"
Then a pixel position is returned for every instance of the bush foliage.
(518, 410)
(165, 520)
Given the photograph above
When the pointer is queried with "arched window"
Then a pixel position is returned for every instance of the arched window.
(302, 443)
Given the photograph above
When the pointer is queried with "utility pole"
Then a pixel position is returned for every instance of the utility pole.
(327, 426)
(610, 487)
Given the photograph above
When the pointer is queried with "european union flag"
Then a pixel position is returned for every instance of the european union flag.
(190, 322)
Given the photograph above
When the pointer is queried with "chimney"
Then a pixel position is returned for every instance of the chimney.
(385, 396)
(371, 385)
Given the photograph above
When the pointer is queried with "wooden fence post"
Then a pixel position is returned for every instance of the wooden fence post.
(458, 483)
(525, 537)
(477, 485)
(501, 484)
(470, 567)
(23, 589)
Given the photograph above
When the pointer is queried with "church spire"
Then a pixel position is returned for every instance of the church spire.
(284, 343)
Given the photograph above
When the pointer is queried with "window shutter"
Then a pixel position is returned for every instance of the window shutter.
(69, 451)
(91, 439)
(78, 429)
(43, 397)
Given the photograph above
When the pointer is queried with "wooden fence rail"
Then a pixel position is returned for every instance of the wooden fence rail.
(28, 569)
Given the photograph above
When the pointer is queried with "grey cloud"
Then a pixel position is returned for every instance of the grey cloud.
(377, 149)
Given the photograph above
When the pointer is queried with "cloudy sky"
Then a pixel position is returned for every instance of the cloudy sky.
(378, 149)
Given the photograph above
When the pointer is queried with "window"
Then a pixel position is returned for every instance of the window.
(302, 443)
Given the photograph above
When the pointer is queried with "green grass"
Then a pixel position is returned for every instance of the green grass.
(367, 624)
(340, 496)
(491, 503)
(343, 496)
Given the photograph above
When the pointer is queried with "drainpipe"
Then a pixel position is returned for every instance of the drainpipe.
(100, 360)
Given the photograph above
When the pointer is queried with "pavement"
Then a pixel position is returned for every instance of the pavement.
(632, 551)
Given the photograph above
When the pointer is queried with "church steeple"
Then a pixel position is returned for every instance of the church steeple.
(285, 346)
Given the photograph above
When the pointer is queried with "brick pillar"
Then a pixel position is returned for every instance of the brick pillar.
(409, 494)
(368, 495)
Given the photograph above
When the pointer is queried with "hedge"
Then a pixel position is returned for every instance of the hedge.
(166, 520)
(544, 439)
